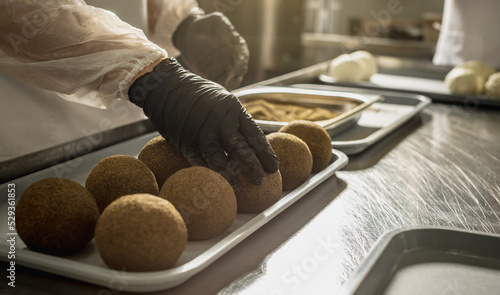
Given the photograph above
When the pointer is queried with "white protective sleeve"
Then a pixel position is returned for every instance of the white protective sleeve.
(86, 54)
(164, 18)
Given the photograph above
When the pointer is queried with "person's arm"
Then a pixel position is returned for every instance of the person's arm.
(72, 48)
(85, 53)
(208, 45)
(164, 17)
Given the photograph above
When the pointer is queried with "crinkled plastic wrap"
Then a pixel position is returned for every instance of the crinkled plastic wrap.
(85, 53)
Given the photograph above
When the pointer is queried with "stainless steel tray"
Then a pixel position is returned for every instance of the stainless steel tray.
(435, 89)
(378, 120)
(429, 261)
(349, 105)
(87, 265)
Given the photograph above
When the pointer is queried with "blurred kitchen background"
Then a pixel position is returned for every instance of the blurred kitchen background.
(285, 35)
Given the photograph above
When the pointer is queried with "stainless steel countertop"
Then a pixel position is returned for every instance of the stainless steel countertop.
(439, 169)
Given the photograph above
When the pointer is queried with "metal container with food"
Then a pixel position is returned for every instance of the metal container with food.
(273, 107)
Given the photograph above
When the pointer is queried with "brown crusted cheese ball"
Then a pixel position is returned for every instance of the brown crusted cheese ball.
(316, 138)
(56, 216)
(294, 157)
(140, 232)
(162, 158)
(256, 198)
(117, 176)
(205, 200)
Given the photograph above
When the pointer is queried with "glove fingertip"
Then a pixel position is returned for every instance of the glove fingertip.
(195, 160)
(258, 180)
(233, 180)
(236, 187)
(269, 162)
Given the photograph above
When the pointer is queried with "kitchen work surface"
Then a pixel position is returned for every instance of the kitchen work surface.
(439, 169)
(430, 261)
(86, 265)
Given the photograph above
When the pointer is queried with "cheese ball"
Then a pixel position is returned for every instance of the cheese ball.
(253, 198)
(162, 158)
(464, 81)
(56, 216)
(479, 67)
(344, 68)
(493, 85)
(367, 61)
(205, 200)
(317, 139)
(140, 232)
(117, 176)
(295, 159)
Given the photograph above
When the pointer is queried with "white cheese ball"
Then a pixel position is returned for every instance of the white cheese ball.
(479, 67)
(367, 61)
(344, 68)
(464, 81)
(493, 85)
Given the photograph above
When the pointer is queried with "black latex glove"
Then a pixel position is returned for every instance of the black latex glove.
(211, 47)
(205, 122)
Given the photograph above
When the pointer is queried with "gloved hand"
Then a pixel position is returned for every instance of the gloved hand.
(205, 122)
(212, 48)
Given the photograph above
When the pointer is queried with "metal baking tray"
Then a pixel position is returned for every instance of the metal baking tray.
(348, 105)
(87, 265)
(429, 261)
(378, 120)
(434, 88)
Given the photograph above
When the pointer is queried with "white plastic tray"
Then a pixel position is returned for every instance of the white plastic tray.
(88, 266)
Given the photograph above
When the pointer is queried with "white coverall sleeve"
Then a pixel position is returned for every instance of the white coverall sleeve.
(86, 54)
(164, 17)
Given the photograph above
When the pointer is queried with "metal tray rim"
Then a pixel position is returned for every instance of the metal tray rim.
(363, 270)
(362, 144)
(352, 147)
(475, 100)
